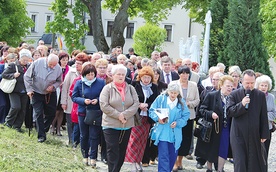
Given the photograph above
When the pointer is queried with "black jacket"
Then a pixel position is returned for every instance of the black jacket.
(9, 74)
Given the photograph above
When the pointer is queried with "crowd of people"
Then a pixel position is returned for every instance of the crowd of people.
(145, 110)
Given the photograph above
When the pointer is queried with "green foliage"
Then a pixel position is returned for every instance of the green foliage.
(19, 152)
(219, 13)
(268, 13)
(15, 22)
(148, 38)
(74, 31)
(243, 37)
(151, 11)
(198, 9)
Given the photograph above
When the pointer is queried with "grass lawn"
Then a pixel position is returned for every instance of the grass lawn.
(21, 152)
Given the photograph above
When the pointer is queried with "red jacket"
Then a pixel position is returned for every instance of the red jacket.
(74, 112)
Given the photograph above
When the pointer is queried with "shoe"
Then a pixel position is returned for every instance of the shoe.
(19, 130)
(41, 139)
(180, 168)
(175, 170)
(93, 163)
(152, 162)
(199, 166)
(104, 161)
(231, 160)
(7, 125)
(85, 161)
(145, 165)
(59, 134)
(208, 170)
(139, 167)
(189, 157)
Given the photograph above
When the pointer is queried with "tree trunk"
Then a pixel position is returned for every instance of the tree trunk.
(95, 13)
(120, 23)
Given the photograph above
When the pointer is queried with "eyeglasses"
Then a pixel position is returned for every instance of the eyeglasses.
(235, 76)
(102, 68)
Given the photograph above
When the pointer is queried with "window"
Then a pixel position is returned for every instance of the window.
(90, 28)
(169, 33)
(109, 28)
(48, 18)
(34, 18)
(130, 30)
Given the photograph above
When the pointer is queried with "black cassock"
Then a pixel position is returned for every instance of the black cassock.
(247, 129)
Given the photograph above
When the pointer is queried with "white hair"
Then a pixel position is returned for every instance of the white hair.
(117, 67)
(25, 53)
(262, 79)
(52, 58)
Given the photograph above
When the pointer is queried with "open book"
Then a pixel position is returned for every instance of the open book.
(162, 113)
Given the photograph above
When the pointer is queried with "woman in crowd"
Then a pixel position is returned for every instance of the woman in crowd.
(36, 55)
(119, 102)
(168, 133)
(147, 92)
(86, 94)
(151, 150)
(264, 84)
(188, 90)
(18, 97)
(66, 101)
(101, 66)
(213, 109)
(4, 53)
(235, 72)
(3, 110)
(56, 124)
(161, 86)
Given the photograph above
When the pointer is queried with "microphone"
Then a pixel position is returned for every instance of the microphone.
(247, 93)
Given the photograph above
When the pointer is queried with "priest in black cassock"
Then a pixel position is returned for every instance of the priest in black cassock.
(249, 130)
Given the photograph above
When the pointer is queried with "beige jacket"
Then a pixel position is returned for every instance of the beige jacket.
(65, 98)
(111, 104)
(192, 96)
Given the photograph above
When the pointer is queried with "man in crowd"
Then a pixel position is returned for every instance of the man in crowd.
(249, 128)
(41, 80)
(167, 75)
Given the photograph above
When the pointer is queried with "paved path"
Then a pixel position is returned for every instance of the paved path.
(190, 165)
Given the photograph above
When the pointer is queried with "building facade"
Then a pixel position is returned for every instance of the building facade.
(178, 25)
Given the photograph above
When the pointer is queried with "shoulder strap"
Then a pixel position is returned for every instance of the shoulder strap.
(16, 68)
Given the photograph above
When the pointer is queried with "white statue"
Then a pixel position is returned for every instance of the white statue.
(181, 48)
(195, 50)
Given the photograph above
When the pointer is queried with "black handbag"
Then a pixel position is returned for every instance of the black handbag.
(203, 130)
(93, 117)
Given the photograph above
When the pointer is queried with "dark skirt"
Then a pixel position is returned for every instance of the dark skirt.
(187, 133)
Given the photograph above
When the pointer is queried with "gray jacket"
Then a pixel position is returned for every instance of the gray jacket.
(38, 79)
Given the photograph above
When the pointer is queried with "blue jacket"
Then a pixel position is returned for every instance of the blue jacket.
(92, 92)
(163, 132)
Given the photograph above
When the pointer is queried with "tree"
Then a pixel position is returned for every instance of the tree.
(15, 22)
(219, 14)
(151, 11)
(197, 9)
(243, 37)
(268, 13)
(72, 31)
(148, 38)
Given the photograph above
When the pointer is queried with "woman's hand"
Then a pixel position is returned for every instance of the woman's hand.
(122, 118)
(94, 101)
(64, 107)
(214, 115)
(173, 124)
(143, 106)
(87, 101)
(16, 74)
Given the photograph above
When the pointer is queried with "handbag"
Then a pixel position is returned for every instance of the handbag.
(7, 85)
(92, 117)
(137, 119)
(203, 130)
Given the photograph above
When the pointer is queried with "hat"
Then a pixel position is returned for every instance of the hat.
(25, 53)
